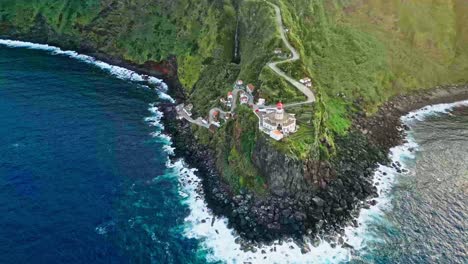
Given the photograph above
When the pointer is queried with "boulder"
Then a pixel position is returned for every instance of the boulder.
(318, 201)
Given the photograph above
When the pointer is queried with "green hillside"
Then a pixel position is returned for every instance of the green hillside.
(359, 53)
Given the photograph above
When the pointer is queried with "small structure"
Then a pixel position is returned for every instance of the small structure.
(229, 99)
(276, 135)
(239, 83)
(189, 107)
(306, 81)
(261, 102)
(250, 88)
(216, 115)
(278, 51)
(244, 99)
(277, 119)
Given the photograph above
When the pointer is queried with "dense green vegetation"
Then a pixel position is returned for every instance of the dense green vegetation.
(234, 144)
(368, 51)
(358, 53)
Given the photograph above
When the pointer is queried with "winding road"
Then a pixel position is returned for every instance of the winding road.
(295, 56)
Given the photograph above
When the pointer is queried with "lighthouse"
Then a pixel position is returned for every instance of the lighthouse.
(279, 114)
(277, 122)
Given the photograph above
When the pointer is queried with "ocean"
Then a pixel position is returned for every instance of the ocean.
(86, 176)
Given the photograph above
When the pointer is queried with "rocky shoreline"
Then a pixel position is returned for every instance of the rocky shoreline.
(323, 210)
(384, 127)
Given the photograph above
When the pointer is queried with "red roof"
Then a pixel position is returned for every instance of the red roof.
(251, 87)
(279, 105)
(229, 93)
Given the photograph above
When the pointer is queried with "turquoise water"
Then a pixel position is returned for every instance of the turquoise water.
(83, 178)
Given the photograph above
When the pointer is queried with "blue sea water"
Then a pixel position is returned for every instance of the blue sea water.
(83, 179)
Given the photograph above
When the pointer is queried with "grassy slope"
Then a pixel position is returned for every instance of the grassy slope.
(376, 49)
(423, 39)
(368, 51)
(358, 52)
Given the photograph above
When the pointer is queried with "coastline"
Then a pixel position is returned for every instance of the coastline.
(355, 236)
(385, 130)
(383, 127)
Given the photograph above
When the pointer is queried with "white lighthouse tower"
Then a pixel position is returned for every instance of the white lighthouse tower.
(279, 114)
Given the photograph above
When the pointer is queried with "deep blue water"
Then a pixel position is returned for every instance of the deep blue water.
(82, 180)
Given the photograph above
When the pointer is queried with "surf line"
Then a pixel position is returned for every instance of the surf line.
(117, 71)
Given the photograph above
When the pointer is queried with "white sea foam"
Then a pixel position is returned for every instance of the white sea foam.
(119, 72)
(165, 96)
(155, 121)
(423, 113)
(218, 242)
(386, 176)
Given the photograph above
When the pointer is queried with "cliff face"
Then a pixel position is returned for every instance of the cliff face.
(282, 172)
(287, 173)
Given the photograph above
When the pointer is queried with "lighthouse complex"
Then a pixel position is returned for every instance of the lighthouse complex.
(273, 120)
(276, 122)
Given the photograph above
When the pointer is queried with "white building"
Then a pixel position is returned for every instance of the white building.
(306, 81)
(250, 88)
(239, 84)
(277, 119)
(261, 102)
(244, 99)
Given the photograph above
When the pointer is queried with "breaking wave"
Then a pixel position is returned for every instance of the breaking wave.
(119, 72)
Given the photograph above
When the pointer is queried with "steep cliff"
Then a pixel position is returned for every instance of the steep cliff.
(288, 173)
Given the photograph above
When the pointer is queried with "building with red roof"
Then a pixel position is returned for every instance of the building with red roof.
(278, 119)
(250, 88)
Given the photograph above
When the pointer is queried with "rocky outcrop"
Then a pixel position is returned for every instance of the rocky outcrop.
(320, 205)
(288, 174)
(282, 172)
